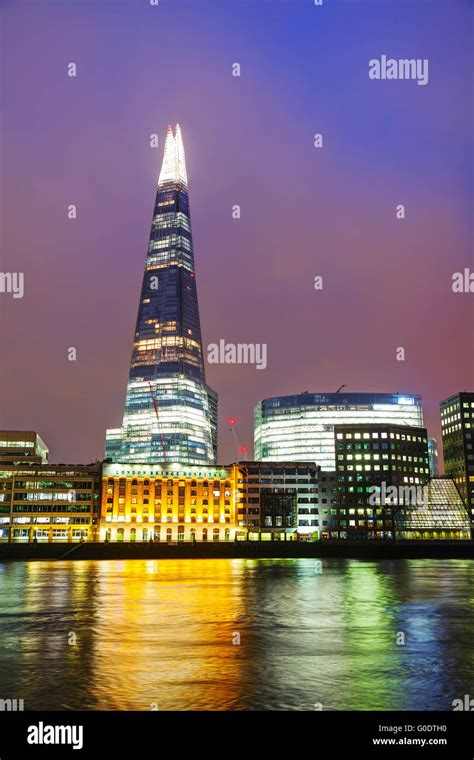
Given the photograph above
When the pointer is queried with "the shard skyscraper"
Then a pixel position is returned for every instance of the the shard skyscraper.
(170, 413)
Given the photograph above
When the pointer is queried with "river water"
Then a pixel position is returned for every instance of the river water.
(293, 634)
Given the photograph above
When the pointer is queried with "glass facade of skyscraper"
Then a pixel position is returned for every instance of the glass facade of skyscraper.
(301, 427)
(170, 413)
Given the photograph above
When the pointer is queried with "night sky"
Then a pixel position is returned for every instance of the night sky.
(249, 141)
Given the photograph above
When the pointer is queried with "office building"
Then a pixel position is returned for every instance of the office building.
(278, 500)
(22, 446)
(457, 430)
(300, 428)
(374, 462)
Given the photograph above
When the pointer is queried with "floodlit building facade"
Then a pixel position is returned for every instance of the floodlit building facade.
(168, 503)
(301, 427)
(244, 501)
(170, 413)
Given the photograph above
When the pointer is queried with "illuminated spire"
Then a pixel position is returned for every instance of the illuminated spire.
(170, 412)
(173, 168)
(181, 161)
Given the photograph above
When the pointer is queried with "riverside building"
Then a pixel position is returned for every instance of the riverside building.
(385, 491)
(300, 428)
(169, 502)
(277, 500)
(244, 501)
(370, 459)
(442, 515)
(457, 429)
(41, 501)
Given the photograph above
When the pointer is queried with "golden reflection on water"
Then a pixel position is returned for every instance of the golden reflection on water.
(184, 615)
(236, 634)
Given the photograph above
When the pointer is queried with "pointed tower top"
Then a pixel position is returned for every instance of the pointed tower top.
(173, 167)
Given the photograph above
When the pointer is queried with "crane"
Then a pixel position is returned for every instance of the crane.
(155, 406)
(240, 448)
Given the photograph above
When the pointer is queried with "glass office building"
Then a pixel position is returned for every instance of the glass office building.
(170, 413)
(300, 428)
(442, 515)
(457, 429)
(22, 446)
(49, 502)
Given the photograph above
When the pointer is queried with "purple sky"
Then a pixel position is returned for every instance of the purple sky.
(248, 140)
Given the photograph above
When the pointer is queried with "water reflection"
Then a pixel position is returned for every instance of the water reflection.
(237, 634)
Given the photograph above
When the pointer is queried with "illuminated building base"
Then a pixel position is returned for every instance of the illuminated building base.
(115, 531)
